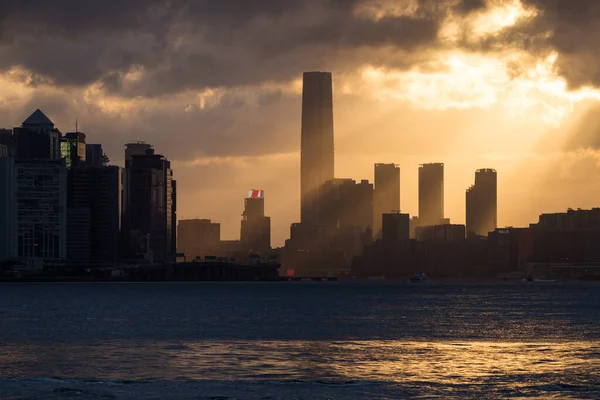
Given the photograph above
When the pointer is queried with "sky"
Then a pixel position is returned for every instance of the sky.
(215, 86)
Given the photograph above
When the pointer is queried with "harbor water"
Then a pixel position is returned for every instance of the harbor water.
(299, 340)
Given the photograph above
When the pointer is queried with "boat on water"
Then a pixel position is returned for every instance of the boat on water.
(418, 278)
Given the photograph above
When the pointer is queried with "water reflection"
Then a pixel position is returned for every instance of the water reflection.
(452, 363)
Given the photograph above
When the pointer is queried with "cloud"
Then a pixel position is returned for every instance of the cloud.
(179, 45)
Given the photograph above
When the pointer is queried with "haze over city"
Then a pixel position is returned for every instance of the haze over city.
(216, 87)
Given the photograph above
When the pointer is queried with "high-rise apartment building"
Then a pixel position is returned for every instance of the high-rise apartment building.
(97, 190)
(7, 205)
(198, 238)
(386, 196)
(482, 203)
(41, 209)
(256, 228)
(317, 147)
(148, 216)
(431, 194)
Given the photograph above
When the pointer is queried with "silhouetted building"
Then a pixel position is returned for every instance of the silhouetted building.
(314, 251)
(571, 220)
(37, 139)
(41, 208)
(482, 203)
(8, 140)
(510, 249)
(131, 149)
(431, 194)
(97, 190)
(570, 237)
(173, 216)
(386, 197)
(317, 147)
(256, 228)
(345, 204)
(94, 155)
(78, 237)
(345, 217)
(149, 216)
(7, 205)
(396, 227)
(446, 232)
(73, 149)
(198, 238)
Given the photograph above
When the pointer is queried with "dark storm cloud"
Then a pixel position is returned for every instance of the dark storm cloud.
(183, 44)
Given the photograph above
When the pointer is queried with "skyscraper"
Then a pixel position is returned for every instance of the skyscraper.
(344, 203)
(317, 154)
(395, 227)
(482, 203)
(97, 190)
(7, 139)
(256, 228)
(41, 208)
(386, 197)
(94, 155)
(131, 149)
(37, 138)
(149, 220)
(7, 205)
(431, 194)
(73, 149)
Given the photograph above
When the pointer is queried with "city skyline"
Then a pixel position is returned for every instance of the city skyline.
(140, 147)
(464, 94)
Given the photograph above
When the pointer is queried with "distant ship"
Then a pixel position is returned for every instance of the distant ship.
(419, 278)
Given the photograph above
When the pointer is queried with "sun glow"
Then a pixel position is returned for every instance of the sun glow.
(498, 15)
(459, 80)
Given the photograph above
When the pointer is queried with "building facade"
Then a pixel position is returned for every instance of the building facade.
(396, 227)
(97, 189)
(386, 196)
(148, 220)
(256, 227)
(445, 232)
(482, 203)
(7, 205)
(41, 209)
(37, 138)
(344, 203)
(431, 194)
(94, 155)
(317, 146)
(198, 238)
(73, 149)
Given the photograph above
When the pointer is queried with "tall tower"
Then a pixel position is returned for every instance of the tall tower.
(482, 203)
(431, 194)
(256, 228)
(317, 159)
(386, 198)
(148, 220)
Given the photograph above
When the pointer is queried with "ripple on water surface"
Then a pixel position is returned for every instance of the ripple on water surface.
(314, 341)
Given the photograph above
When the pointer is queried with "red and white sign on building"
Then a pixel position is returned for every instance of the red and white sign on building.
(256, 194)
